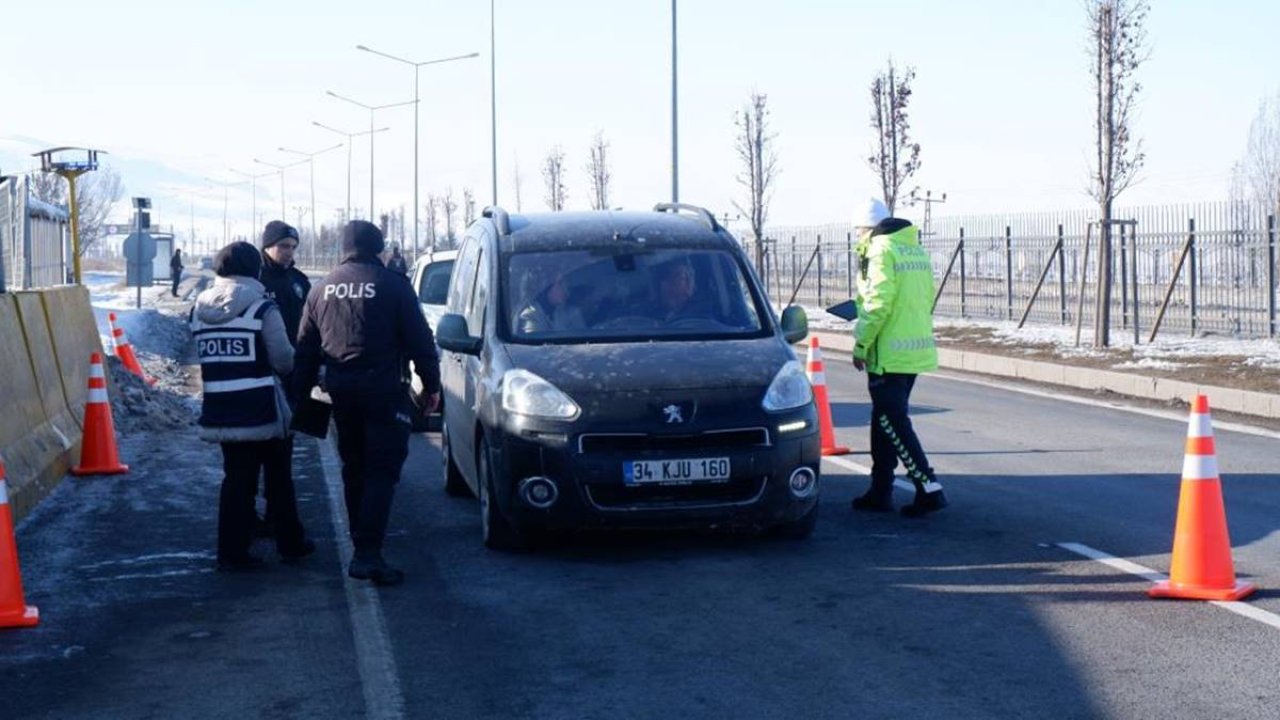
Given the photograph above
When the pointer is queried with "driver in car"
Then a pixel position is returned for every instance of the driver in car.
(549, 308)
(675, 288)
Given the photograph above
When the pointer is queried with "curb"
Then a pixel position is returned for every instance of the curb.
(1244, 402)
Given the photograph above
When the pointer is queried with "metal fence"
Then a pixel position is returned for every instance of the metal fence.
(1212, 267)
(35, 242)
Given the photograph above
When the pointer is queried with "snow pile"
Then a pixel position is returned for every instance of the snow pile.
(137, 407)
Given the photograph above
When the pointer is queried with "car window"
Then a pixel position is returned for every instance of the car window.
(433, 285)
(624, 295)
(462, 281)
(480, 298)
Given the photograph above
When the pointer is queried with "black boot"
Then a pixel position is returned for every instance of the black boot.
(375, 569)
(872, 501)
(924, 504)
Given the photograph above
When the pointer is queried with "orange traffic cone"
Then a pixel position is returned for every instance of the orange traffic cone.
(14, 611)
(818, 379)
(1201, 568)
(98, 454)
(124, 350)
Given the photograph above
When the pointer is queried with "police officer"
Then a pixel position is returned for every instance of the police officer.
(893, 343)
(243, 351)
(287, 286)
(362, 324)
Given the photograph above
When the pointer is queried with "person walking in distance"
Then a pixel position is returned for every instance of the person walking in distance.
(894, 343)
(362, 325)
(175, 270)
(396, 263)
(243, 351)
(287, 287)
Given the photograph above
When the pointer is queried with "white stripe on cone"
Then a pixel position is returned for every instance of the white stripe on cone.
(95, 370)
(97, 395)
(1200, 467)
(4, 493)
(1200, 425)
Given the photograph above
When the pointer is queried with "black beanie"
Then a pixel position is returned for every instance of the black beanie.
(362, 238)
(238, 258)
(275, 231)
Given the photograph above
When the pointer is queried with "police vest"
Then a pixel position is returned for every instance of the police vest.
(239, 384)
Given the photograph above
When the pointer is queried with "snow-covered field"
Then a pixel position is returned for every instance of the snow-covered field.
(1167, 352)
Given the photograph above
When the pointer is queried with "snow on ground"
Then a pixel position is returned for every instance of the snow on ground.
(1167, 352)
(160, 338)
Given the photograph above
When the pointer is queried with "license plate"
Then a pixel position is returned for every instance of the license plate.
(638, 472)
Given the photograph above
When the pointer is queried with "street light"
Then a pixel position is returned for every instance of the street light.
(311, 160)
(675, 137)
(280, 169)
(372, 109)
(253, 220)
(349, 136)
(415, 65)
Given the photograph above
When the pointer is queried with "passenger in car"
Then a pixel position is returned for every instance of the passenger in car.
(548, 309)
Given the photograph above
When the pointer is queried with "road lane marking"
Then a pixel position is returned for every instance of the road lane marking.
(865, 470)
(1179, 417)
(1242, 609)
(375, 660)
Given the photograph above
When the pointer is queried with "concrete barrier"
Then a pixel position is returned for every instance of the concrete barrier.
(75, 337)
(34, 452)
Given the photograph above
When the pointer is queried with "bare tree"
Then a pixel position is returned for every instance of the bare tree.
(1261, 167)
(449, 209)
(431, 220)
(553, 176)
(895, 158)
(598, 171)
(468, 207)
(1117, 34)
(96, 195)
(759, 166)
(517, 181)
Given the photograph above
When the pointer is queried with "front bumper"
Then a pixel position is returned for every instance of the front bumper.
(588, 471)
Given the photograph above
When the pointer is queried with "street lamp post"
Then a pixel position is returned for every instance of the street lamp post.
(416, 66)
(280, 169)
(675, 136)
(372, 109)
(349, 136)
(311, 160)
(253, 179)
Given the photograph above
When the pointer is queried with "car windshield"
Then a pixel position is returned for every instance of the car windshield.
(622, 295)
(433, 288)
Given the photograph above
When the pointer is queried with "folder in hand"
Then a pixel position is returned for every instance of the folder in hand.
(311, 417)
(847, 310)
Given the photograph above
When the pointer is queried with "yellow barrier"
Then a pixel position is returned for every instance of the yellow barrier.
(34, 452)
(75, 337)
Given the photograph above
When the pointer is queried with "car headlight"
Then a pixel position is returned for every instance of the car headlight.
(790, 389)
(527, 394)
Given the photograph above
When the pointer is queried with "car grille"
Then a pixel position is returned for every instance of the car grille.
(640, 443)
(685, 497)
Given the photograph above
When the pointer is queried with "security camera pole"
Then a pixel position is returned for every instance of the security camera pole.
(71, 169)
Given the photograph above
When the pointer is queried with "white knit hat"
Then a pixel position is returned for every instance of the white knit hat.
(871, 214)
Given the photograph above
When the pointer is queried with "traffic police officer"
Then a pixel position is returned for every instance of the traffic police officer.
(362, 325)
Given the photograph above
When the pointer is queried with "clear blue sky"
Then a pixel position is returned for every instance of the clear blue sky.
(179, 91)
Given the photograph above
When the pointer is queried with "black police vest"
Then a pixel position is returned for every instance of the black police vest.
(239, 384)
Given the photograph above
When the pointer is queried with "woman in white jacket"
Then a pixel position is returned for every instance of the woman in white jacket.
(244, 351)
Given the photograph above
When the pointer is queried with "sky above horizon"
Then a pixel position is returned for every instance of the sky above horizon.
(181, 93)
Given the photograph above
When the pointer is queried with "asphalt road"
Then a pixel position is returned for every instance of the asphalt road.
(977, 612)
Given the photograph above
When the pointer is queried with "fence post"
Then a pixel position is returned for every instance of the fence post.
(1195, 270)
(1124, 278)
(1062, 275)
(1271, 276)
(1137, 298)
(795, 271)
(1008, 271)
(820, 269)
(962, 275)
(848, 249)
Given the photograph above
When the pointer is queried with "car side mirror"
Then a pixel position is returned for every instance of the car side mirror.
(795, 324)
(452, 335)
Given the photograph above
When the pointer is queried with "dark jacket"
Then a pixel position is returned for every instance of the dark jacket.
(398, 264)
(288, 287)
(175, 261)
(362, 323)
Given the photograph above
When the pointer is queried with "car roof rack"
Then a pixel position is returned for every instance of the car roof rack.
(500, 219)
(698, 210)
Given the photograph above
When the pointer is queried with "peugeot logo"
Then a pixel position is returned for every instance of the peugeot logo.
(672, 414)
